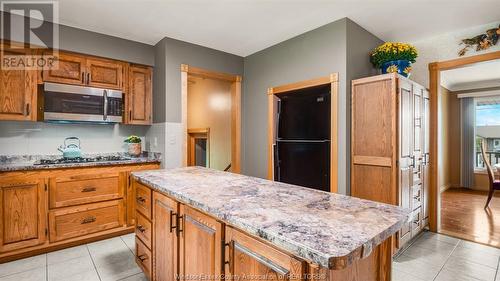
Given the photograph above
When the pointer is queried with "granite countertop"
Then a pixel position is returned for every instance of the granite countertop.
(328, 229)
(10, 163)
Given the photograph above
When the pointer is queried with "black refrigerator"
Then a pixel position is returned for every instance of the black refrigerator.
(302, 149)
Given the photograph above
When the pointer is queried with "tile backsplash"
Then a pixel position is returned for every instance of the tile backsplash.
(18, 138)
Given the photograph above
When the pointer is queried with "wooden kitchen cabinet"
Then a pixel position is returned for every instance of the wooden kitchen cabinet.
(23, 214)
(247, 256)
(103, 73)
(139, 102)
(18, 90)
(165, 242)
(200, 244)
(86, 71)
(390, 146)
(69, 69)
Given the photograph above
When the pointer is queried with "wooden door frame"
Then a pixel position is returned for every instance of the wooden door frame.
(333, 80)
(235, 81)
(194, 134)
(435, 69)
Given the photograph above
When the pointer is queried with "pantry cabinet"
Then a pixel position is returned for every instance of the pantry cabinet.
(23, 213)
(390, 146)
(18, 90)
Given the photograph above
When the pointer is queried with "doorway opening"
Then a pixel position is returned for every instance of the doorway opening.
(211, 119)
(465, 118)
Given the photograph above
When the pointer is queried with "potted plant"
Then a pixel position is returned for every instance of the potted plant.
(394, 57)
(134, 145)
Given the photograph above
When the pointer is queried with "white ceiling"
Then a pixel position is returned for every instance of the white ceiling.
(476, 76)
(243, 27)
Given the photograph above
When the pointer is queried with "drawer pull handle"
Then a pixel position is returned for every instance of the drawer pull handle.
(89, 189)
(172, 215)
(141, 200)
(142, 258)
(141, 228)
(179, 224)
(90, 219)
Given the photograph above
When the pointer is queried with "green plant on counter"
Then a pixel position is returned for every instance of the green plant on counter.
(133, 139)
(391, 51)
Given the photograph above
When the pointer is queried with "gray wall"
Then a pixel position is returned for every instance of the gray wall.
(341, 46)
(310, 55)
(92, 43)
(179, 52)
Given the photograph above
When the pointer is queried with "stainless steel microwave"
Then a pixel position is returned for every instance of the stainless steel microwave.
(70, 103)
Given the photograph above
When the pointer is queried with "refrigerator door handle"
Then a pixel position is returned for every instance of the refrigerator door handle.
(277, 176)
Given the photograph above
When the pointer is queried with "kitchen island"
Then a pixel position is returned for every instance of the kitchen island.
(202, 224)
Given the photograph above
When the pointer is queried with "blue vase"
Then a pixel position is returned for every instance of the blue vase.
(402, 67)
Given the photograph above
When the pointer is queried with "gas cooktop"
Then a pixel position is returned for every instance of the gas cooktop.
(81, 160)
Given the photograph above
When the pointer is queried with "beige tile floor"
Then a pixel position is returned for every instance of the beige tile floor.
(443, 258)
(431, 257)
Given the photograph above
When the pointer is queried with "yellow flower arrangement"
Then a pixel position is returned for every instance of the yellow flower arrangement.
(390, 51)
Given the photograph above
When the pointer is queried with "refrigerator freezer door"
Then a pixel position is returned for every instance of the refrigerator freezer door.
(304, 163)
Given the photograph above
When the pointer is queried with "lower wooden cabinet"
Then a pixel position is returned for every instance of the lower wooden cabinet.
(165, 238)
(190, 245)
(77, 221)
(23, 214)
(50, 209)
(200, 245)
(247, 256)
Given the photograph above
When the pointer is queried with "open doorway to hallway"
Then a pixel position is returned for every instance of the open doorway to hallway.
(469, 120)
(211, 118)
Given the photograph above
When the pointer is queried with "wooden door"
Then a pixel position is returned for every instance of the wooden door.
(405, 151)
(105, 73)
(426, 158)
(248, 257)
(17, 91)
(139, 96)
(165, 243)
(200, 244)
(69, 69)
(23, 215)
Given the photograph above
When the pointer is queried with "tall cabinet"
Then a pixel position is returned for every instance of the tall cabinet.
(390, 146)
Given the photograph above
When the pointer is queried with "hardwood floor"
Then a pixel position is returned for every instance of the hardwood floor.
(463, 216)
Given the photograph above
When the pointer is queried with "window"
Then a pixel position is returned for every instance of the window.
(488, 129)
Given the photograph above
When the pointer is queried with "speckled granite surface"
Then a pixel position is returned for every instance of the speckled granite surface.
(328, 229)
(28, 162)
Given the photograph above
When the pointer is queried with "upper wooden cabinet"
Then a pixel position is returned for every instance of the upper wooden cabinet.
(139, 101)
(70, 69)
(17, 91)
(23, 214)
(82, 70)
(105, 73)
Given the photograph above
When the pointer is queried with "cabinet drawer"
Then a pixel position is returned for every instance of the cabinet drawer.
(84, 189)
(77, 221)
(143, 229)
(143, 257)
(143, 200)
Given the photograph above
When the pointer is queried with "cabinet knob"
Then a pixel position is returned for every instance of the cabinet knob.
(142, 258)
(141, 228)
(140, 199)
(87, 220)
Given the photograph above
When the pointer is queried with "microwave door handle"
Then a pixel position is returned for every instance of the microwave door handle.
(105, 105)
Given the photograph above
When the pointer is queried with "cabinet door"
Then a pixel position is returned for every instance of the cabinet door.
(425, 162)
(105, 73)
(23, 215)
(417, 141)
(246, 256)
(70, 69)
(405, 151)
(200, 238)
(164, 238)
(139, 95)
(17, 91)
